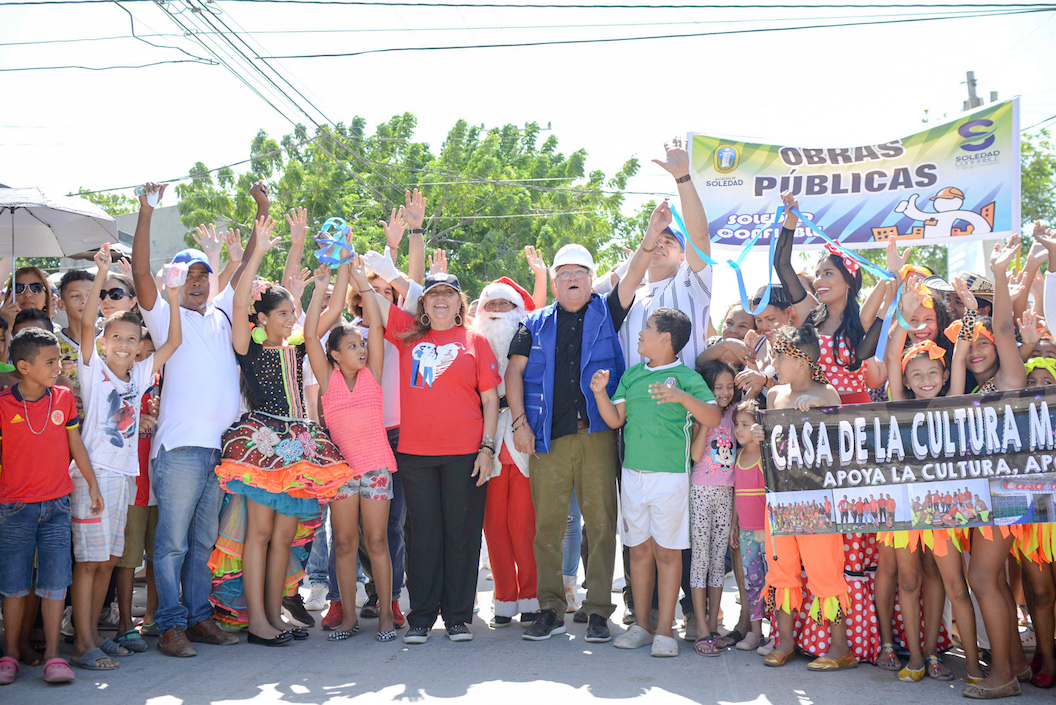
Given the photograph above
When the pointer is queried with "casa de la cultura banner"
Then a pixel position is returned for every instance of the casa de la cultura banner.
(953, 182)
(965, 461)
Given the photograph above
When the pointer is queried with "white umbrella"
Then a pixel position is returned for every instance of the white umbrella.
(33, 224)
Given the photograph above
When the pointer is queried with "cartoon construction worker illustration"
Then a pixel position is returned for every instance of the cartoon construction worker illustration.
(947, 204)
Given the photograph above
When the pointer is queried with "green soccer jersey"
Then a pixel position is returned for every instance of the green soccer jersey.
(657, 436)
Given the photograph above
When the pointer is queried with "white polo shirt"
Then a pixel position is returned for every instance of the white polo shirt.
(200, 396)
(687, 291)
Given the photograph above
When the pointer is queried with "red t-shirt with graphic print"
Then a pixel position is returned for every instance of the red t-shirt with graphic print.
(441, 377)
(36, 448)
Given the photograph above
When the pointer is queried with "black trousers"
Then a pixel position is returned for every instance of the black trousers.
(445, 517)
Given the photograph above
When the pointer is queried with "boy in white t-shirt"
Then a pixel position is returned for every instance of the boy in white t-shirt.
(111, 391)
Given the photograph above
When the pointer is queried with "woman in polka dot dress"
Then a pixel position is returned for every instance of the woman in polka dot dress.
(280, 463)
(923, 371)
(847, 350)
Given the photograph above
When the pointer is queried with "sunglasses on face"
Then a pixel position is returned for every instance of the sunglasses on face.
(115, 294)
(35, 287)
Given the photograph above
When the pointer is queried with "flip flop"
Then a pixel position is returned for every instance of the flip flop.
(112, 648)
(57, 670)
(708, 646)
(149, 629)
(131, 640)
(87, 662)
(8, 670)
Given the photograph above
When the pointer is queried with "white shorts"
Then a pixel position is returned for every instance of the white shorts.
(97, 537)
(655, 505)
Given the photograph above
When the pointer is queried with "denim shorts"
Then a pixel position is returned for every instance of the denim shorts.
(41, 529)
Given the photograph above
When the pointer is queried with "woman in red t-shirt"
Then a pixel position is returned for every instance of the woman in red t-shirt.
(449, 409)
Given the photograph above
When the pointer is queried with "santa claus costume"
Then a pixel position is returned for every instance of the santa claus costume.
(509, 517)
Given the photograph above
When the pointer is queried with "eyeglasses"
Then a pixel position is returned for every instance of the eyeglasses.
(116, 294)
(35, 287)
(566, 274)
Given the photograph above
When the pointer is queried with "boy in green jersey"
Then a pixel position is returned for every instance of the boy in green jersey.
(657, 400)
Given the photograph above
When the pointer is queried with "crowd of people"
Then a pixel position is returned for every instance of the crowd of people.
(232, 442)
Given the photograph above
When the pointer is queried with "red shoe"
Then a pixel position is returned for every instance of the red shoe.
(398, 620)
(334, 616)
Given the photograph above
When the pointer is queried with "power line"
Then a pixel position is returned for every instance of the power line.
(607, 40)
(572, 6)
(1039, 123)
(108, 68)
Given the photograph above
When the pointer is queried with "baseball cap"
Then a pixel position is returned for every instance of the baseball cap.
(192, 256)
(573, 254)
(677, 234)
(440, 279)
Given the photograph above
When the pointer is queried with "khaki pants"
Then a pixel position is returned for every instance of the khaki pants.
(586, 461)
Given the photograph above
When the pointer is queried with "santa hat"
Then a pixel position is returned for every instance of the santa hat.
(506, 289)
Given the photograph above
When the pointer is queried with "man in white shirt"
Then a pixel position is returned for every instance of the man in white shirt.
(200, 399)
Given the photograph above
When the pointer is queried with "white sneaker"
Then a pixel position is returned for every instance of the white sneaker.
(361, 594)
(664, 646)
(66, 628)
(316, 601)
(633, 638)
(766, 648)
(571, 603)
(110, 617)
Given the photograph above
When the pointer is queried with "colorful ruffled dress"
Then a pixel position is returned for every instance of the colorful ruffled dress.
(277, 458)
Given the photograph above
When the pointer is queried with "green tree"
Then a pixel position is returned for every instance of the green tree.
(1039, 180)
(113, 203)
(490, 193)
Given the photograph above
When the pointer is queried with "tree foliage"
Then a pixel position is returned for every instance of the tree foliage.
(490, 192)
(113, 203)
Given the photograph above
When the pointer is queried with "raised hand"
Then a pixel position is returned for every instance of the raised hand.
(789, 200)
(967, 298)
(209, 241)
(298, 283)
(259, 192)
(1003, 255)
(536, 263)
(758, 433)
(298, 220)
(322, 276)
(1017, 284)
(438, 262)
(265, 226)
(1038, 253)
(660, 218)
(358, 271)
(599, 381)
(1047, 238)
(394, 228)
(414, 209)
(102, 258)
(122, 266)
(676, 162)
(1029, 324)
(895, 261)
(150, 188)
(233, 242)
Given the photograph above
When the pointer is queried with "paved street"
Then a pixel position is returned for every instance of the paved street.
(498, 667)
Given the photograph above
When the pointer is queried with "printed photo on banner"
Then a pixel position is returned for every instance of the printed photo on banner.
(807, 512)
(1024, 501)
(957, 181)
(972, 460)
(869, 509)
(951, 505)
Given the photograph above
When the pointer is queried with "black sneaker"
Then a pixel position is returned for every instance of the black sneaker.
(416, 635)
(498, 622)
(529, 617)
(459, 632)
(598, 630)
(295, 610)
(545, 626)
(370, 608)
(580, 617)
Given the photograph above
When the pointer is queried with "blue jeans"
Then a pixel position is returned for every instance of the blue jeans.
(188, 493)
(319, 558)
(40, 529)
(573, 539)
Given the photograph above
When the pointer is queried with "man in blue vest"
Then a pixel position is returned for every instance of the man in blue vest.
(553, 356)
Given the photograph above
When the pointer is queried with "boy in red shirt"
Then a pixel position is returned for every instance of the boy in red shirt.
(38, 428)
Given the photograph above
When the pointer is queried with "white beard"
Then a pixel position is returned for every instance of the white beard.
(499, 329)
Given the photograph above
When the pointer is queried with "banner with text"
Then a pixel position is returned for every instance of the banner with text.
(973, 460)
(958, 181)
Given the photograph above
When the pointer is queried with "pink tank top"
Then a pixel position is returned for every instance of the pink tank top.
(840, 377)
(356, 422)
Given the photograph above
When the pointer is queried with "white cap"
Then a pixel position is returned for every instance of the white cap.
(573, 254)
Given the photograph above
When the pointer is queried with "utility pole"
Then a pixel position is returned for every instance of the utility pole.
(974, 101)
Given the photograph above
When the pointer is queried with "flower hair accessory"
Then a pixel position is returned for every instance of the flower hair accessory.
(258, 288)
(849, 263)
(784, 346)
(934, 352)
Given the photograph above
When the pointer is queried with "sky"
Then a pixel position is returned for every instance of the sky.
(64, 129)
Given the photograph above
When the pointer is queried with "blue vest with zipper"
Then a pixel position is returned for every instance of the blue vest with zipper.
(600, 351)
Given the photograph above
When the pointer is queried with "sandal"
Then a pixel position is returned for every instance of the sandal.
(709, 645)
(342, 635)
(150, 629)
(131, 640)
(57, 670)
(888, 659)
(938, 670)
(908, 675)
(731, 639)
(112, 648)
